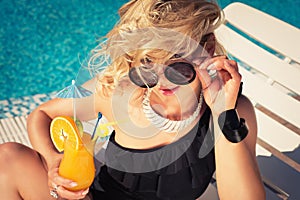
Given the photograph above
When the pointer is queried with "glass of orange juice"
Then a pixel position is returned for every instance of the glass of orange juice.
(78, 162)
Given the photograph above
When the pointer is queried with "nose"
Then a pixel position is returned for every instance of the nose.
(162, 80)
(159, 69)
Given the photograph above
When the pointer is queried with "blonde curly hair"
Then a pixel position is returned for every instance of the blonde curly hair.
(172, 24)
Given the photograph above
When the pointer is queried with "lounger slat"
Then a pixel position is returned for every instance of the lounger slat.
(14, 130)
(278, 35)
(275, 100)
(21, 132)
(261, 151)
(24, 122)
(7, 130)
(21, 123)
(274, 133)
(263, 61)
(3, 136)
(286, 159)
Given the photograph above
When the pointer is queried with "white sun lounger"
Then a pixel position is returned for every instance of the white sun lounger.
(14, 130)
(267, 50)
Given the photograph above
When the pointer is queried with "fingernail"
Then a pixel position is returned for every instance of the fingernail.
(212, 73)
(73, 184)
(210, 66)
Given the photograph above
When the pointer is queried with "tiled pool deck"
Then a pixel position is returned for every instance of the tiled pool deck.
(22, 106)
(13, 114)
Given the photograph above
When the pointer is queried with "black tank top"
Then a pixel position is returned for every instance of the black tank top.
(181, 170)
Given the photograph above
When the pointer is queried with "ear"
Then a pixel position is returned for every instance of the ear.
(210, 46)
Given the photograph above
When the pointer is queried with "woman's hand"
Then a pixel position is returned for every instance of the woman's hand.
(60, 184)
(220, 89)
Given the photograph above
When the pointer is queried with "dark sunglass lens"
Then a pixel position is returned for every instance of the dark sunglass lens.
(180, 73)
(143, 78)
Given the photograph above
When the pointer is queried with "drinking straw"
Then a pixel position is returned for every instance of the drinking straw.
(99, 117)
(103, 128)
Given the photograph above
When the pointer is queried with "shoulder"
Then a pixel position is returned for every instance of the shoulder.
(102, 101)
(246, 109)
(244, 105)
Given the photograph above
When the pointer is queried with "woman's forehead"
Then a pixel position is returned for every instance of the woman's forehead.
(152, 40)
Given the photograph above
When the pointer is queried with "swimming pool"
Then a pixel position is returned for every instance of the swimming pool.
(43, 42)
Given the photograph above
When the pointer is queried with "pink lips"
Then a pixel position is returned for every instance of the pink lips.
(168, 91)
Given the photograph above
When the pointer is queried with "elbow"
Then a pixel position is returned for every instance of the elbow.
(29, 122)
(31, 119)
(36, 120)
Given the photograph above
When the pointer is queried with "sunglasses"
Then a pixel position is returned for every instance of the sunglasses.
(179, 73)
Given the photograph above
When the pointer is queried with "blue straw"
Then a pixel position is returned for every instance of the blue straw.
(99, 117)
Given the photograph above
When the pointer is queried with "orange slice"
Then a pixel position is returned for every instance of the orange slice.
(62, 128)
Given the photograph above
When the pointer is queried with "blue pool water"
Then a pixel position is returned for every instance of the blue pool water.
(42, 42)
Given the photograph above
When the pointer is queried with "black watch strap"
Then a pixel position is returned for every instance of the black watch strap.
(233, 127)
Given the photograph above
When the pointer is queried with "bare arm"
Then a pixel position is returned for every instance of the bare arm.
(38, 122)
(38, 125)
(237, 172)
(39, 133)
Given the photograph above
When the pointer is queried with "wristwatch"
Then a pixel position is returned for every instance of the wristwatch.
(233, 128)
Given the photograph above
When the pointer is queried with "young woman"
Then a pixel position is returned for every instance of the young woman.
(183, 117)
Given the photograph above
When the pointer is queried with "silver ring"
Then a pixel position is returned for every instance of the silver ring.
(54, 193)
(56, 187)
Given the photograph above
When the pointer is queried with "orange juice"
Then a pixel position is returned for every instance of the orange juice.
(78, 163)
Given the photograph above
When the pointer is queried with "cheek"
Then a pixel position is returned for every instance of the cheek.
(194, 86)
